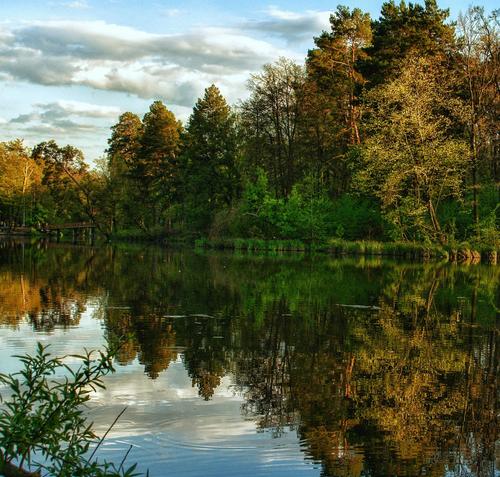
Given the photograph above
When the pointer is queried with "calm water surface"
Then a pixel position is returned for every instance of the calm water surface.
(271, 365)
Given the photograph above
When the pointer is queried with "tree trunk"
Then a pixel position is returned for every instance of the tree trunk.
(475, 200)
(435, 221)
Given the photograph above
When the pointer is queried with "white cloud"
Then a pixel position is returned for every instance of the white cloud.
(65, 111)
(82, 124)
(293, 27)
(98, 57)
(79, 108)
(174, 67)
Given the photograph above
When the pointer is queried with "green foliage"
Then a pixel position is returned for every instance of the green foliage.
(210, 177)
(488, 229)
(411, 161)
(487, 232)
(388, 132)
(270, 121)
(335, 246)
(305, 215)
(308, 215)
(356, 218)
(411, 250)
(42, 423)
(404, 30)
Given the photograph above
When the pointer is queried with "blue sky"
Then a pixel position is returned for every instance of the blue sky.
(69, 68)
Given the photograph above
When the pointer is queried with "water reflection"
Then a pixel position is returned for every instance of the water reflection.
(380, 368)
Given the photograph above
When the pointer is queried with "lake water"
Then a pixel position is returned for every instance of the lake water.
(283, 365)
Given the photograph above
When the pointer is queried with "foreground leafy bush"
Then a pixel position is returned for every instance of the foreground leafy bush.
(42, 423)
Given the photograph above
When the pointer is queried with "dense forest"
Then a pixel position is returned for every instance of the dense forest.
(389, 131)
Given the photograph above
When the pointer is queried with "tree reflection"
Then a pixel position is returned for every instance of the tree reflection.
(46, 293)
(406, 385)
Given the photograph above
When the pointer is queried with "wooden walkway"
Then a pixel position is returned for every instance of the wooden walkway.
(79, 230)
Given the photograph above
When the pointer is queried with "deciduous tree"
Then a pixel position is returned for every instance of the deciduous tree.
(270, 120)
(478, 62)
(411, 161)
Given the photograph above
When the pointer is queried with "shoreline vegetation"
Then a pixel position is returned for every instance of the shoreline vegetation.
(384, 142)
(464, 253)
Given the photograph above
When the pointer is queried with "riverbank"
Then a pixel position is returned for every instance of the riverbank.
(464, 253)
(456, 252)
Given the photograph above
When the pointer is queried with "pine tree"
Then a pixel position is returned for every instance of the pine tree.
(334, 66)
(156, 169)
(122, 156)
(407, 30)
(158, 157)
(209, 158)
(124, 143)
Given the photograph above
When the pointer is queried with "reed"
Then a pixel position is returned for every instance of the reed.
(463, 252)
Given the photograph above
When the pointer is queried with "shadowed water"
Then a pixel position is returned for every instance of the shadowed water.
(271, 365)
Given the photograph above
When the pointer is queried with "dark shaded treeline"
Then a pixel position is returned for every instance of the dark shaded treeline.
(404, 387)
(389, 131)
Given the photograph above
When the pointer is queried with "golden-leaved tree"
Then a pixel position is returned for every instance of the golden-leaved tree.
(412, 161)
(19, 177)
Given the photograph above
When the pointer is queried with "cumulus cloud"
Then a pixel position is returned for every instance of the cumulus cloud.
(84, 125)
(58, 113)
(105, 56)
(293, 27)
(36, 68)
(80, 109)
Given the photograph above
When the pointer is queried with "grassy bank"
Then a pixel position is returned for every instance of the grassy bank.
(409, 250)
(464, 252)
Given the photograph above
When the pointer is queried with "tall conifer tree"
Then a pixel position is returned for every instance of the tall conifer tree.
(211, 177)
(405, 30)
(157, 166)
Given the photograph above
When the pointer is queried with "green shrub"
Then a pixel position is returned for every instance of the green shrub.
(43, 417)
(355, 218)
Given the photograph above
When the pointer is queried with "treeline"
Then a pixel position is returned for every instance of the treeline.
(389, 132)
